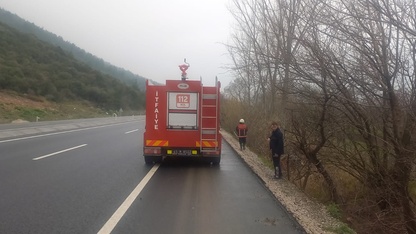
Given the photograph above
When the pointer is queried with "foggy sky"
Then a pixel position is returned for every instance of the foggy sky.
(149, 38)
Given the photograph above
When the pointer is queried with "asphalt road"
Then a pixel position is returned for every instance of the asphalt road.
(90, 177)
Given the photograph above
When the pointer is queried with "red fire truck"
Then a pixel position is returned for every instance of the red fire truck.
(182, 120)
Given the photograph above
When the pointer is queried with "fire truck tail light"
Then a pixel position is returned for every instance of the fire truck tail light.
(212, 152)
(152, 150)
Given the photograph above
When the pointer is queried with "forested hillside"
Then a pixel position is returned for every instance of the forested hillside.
(33, 67)
(96, 63)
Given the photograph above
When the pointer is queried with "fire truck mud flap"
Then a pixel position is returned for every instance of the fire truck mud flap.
(152, 159)
(214, 160)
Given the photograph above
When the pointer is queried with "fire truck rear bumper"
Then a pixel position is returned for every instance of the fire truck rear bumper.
(157, 154)
(181, 152)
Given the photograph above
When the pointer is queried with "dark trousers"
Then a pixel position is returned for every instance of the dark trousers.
(276, 164)
(242, 141)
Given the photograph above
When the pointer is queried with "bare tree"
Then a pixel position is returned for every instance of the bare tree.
(345, 72)
(366, 80)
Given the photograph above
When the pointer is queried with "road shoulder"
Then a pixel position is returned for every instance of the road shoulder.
(311, 215)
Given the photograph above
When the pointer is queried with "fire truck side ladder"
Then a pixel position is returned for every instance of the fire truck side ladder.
(209, 119)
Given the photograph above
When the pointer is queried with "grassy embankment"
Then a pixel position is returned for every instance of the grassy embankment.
(28, 108)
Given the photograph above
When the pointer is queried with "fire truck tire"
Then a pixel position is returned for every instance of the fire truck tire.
(216, 160)
(152, 159)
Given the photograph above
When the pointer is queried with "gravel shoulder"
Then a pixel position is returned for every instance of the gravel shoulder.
(310, 214)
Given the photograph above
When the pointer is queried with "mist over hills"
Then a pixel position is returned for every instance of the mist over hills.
(91, 60)
(39, 63)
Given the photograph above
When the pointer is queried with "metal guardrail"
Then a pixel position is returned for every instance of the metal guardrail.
(32, 128)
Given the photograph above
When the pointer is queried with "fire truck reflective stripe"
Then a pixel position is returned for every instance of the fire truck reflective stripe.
(157, 143)
(206, 144)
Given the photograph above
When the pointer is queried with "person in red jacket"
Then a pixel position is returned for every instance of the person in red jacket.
(241, 132)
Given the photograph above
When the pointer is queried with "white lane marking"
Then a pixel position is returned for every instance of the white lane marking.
(62, 151)
(115, 218)
(135, 130)
(57, 133)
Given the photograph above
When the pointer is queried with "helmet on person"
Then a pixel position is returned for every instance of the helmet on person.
(241, 120)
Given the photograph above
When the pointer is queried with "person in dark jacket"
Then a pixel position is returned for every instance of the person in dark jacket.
(241, 132)
(277, 147)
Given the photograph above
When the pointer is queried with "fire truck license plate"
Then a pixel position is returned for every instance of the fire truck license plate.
(181, 152)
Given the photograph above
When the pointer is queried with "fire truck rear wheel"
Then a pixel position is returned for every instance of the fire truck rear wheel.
(216, 160)
(152, 159)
